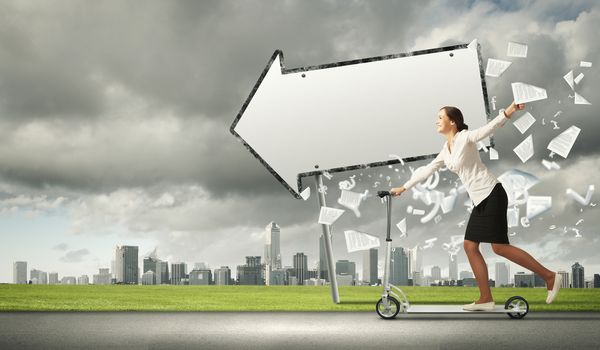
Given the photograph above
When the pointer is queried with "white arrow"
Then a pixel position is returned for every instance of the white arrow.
(348, 115)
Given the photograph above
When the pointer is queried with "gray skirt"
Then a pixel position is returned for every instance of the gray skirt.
(488, 222)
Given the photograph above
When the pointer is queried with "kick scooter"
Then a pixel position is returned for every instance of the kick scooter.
(393, 300)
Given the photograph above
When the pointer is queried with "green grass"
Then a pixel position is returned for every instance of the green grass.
(261, 298)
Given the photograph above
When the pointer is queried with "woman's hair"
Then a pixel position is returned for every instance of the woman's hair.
(455, 115)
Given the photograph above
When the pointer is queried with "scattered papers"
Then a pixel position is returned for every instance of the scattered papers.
(550, 165)
(563, 143)
(569, 79)
(429, 243)
(328, 216)
(578, 78)
(579, 100)
(453, 247)
(525, 149)
(402, 227)
(516, 49)
(305, 194)
(524, 122)
(495, 67)
(517, 183)
(512, 216)
(493, 154)
(352, 200)
(585, 64)
(523, 93)
(537, 205)
(577, 197)
(356, 241)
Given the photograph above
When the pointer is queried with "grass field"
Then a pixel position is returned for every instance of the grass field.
(261, 298)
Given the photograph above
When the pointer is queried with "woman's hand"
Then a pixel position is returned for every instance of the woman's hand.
(396, 191)
(513, 108)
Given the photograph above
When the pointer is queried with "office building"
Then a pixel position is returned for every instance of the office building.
(466, 274)
(342, 267)
(201, 277)
(223, 276)
(453, 268)
(596, 280)
(566, 283)
(68, 280)
(523, 279)
(345, 279)
(370, 266)
(103, 277)
(178, 273)
(20, 272)
(577, 271)
(272, 253)
(126, 264)
(502, 274)
(53, 278)
(300, 267)
(83, 280)
(436, 273)
(278, 277)
(323, 269)
(251, 273)
(399, 266)
(38, 277)
(149, 278)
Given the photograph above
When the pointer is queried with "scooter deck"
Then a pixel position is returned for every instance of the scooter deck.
(454, 309)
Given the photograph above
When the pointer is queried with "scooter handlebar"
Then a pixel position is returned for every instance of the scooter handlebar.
(382, 194)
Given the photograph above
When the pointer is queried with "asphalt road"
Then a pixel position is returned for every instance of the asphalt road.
(295, 330)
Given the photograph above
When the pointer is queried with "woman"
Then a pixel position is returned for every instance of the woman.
(487, 222)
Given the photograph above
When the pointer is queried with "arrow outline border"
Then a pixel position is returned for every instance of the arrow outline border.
(279, 53)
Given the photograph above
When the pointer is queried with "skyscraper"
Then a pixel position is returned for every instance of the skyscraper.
(596, 280)
(126, 264)
(322, 260)
(223, 276)
(566, 283)
(578, 281)
(20, 272)
(399, 267)
(502, 274)
(453, 268)
(272, 246)
(344, 267)
(300, 267)
(251, 273)
(370, 266)
(436, 273)
(201, 277)
(178, 272)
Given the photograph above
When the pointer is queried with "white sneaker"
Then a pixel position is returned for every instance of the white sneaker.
(480, 307)
(554, 292)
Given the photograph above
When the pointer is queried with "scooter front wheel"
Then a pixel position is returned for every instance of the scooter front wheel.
(519, 304)
(388, 311)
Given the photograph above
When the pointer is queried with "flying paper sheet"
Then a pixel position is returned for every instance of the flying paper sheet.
(579, 100)
(585, 64)
(493, 154)
(563, 143)
(328, 216)
(569, 79)
(523, 93)
(525, 149)
(577, 197)
(524, 122)
(351, 200)
(516, 49)
(356, 241)
(402, 227)
(512, 216)
(517, 183)
(550, 165)
(537, 205)
(578, 78)
(495, 67)
(305, 194)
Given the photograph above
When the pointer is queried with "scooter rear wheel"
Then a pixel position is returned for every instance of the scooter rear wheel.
(390, 311)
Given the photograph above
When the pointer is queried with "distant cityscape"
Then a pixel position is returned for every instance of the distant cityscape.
(406, 270)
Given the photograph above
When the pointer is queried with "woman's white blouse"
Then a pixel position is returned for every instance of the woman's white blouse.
(464, 160)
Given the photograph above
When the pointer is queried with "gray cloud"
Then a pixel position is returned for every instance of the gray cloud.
(74, 256)
(61, 246)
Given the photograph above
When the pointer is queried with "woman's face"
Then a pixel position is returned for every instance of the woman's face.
(444, 124)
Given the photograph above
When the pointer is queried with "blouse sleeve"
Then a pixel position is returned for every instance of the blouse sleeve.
(484, 131)
(423, 172)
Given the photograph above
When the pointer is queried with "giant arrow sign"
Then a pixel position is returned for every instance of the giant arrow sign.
(353, 114)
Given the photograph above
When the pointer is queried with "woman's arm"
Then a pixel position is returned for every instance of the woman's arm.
(420, 174)
(486, 130)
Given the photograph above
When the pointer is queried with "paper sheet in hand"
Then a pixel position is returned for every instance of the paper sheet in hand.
(563, 143)
(495, 67)
(537, 205)
(525, 149)
(328, 216)
(579, 100)
(516, 49)
(356, 241)
(524, 122)
(523, 93)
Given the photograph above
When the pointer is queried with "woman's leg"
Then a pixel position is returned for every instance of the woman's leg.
(480, 270)
(521, 257)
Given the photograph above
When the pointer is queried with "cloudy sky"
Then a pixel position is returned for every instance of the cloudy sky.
(114, 126)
